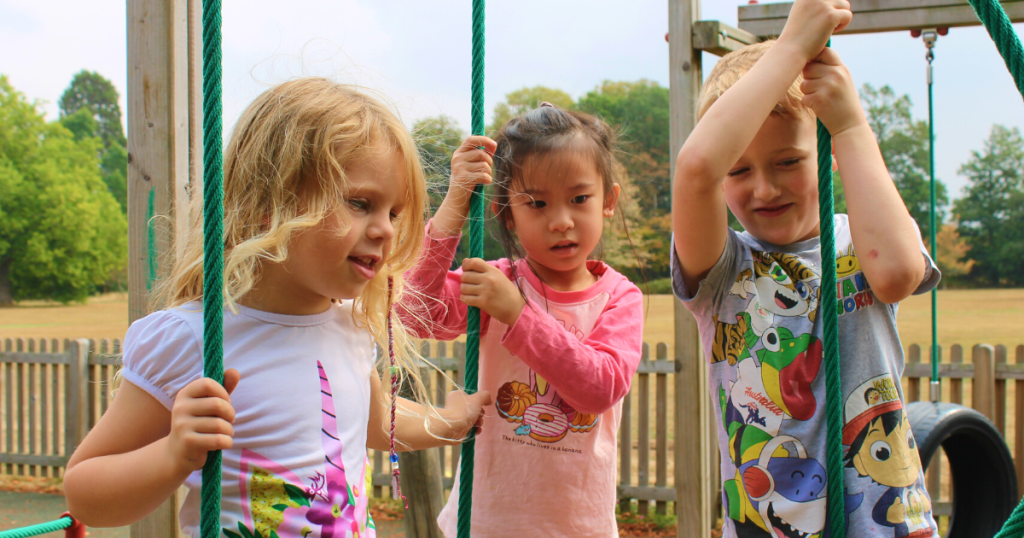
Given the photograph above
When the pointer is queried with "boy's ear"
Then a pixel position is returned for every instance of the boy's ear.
(611, 200)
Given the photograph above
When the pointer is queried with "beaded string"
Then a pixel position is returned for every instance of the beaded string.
(396, 489)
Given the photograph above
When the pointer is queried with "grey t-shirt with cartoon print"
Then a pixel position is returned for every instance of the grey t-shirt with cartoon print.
(758, 320)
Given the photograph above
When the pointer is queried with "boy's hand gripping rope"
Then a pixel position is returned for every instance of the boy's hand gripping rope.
(213, 250)
(476, 250)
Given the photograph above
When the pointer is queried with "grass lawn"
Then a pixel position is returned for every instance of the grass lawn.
(966, 317)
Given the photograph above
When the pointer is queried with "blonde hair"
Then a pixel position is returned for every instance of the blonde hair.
(734, 65)
(284, 171)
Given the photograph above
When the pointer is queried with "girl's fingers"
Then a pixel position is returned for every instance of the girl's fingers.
(478, 141)
(209, 407)
(211, 426)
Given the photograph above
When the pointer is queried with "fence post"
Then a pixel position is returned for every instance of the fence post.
(1000, 392)
(1018, 425)
(983, 386)
(421, 477)
(913, 383)
(76, 424)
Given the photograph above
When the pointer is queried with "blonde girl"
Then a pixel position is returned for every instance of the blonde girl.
(324, 197)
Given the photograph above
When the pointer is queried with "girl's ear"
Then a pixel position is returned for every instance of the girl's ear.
(611, 200)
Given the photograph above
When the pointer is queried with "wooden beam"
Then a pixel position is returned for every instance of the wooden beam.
(869, 16)
(158, 169)
(720, 39)
(693, 503)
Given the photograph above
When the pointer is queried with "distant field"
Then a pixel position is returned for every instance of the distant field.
(966, 317)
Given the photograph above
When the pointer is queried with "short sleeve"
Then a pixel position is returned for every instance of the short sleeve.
(161, 356)
(932, 274)
(709, 289)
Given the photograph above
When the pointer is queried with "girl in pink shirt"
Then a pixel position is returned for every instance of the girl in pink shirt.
(561, 333)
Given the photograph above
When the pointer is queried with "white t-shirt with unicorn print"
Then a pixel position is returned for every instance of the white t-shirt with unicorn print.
(295, 469)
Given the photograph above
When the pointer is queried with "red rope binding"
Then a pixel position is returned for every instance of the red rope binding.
(76, 530)
(396, 489)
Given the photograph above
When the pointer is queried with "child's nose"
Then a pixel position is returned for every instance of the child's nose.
(561, 220)
(381, 228)
(765, 187)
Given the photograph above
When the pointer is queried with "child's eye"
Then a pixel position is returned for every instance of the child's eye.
(738, 172)
(359, 204)
(789, 162)
(581, 199)
(537, 204)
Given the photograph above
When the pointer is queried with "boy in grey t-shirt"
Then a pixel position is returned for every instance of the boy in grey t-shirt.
(755, 294)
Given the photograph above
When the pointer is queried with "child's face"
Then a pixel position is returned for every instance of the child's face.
(323, 263)
(773, 188)
(891, 460)
(558, 213)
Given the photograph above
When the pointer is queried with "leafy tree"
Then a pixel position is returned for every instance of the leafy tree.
(951, 254)
(904, 145)
(522, 101)
(991, 212)
(89, 108)
(639, 111)
(93, 91)
(61, 233)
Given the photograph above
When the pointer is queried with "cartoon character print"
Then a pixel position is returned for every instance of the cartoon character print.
(847, 263)
(777, 492)
(541, 412)
(784, 286)
(882, 447)
(277, 504)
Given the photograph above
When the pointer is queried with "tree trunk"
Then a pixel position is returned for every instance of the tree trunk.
(6, 293)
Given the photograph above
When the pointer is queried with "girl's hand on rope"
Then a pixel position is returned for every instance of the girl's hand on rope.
(201, 420)
(487, 288)
(829, 91)
(811, 24)
(471, 166)
(465, 411)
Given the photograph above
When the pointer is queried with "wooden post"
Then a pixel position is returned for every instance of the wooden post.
(77, 403)
(1018, 425)
(626, 450)
(158, 164)
(1000, 392)
(692, 458)
(421, 483)
(956, 384)
(983, 385)
(643, 438)
(661, 427)
(913, 383)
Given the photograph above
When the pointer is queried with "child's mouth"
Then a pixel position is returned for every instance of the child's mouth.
(364, 265)
(564, 248)
(773, 211)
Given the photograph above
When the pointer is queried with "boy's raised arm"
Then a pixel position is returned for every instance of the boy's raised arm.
(883, 231)
(699, 217)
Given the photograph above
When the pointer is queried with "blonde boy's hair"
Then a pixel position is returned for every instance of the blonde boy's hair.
(734, 65)
(284, 172)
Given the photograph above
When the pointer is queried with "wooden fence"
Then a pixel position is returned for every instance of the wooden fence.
(52, 392)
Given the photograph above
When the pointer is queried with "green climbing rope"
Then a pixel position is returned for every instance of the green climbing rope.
(476, 250)
(36, 530)
(931, 229)
(213, 250)
(991, 14)
(830, 338)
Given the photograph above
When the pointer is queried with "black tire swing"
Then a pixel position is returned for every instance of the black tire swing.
(984, 483)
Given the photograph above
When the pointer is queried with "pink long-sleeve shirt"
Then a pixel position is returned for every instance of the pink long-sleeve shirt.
(545, 460)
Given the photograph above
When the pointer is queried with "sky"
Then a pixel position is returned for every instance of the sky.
(418, 55)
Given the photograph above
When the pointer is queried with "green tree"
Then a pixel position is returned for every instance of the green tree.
(61, 234)
(639, 112)
(89, 108)
(991, 212)
(523, 100)
(904, 145)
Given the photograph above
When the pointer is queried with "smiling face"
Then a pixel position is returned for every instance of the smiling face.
(557, 212)
(889, 458)
(337, 258)
(772, 189)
